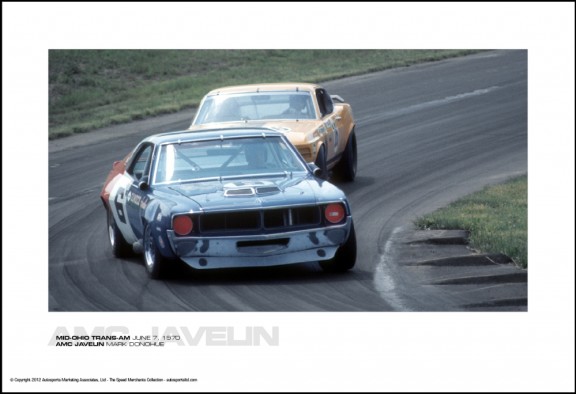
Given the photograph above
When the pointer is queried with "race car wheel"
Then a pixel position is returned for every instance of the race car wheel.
(345, 257)
(120, 248)
(349, 161)
(321, 162)
(155, 262)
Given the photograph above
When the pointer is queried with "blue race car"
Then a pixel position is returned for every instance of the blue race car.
(222, 198)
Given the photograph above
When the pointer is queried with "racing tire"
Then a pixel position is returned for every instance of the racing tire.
(120, 248)
(349, 162)
(321, 162)
(345, 257)
(153, 260)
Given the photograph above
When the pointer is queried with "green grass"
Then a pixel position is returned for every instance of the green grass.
(90, 89)
(497, 218)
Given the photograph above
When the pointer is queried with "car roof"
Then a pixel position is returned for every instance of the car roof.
(265, 87)
(212, 134)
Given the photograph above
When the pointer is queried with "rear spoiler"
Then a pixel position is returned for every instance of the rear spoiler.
(335, 97)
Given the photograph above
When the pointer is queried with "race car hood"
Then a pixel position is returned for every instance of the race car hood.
(255, 193)
(299, 132)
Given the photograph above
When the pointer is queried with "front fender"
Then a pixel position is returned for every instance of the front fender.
(158, 217)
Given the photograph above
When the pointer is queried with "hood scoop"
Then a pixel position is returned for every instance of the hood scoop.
(250, 191)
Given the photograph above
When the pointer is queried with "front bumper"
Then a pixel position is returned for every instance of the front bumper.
(260, 250)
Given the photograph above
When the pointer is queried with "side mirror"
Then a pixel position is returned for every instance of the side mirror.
(316, 171)
(143, 184)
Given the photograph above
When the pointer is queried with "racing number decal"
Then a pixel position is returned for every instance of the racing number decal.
(119, 203)
(334, 137)
(118, 199)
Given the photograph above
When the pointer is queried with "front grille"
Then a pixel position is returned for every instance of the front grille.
(229, 222)
(261, 221)
(268, 242)
(301, 216)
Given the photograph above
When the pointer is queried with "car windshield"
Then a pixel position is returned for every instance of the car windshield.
(256, 106)
(228, 158)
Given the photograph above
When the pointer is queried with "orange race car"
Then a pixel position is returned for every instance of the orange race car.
(319, 125)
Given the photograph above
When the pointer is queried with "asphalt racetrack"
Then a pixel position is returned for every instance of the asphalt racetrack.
(427, 135)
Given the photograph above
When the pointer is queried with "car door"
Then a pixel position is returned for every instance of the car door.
(137, 193)
(332, 136)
